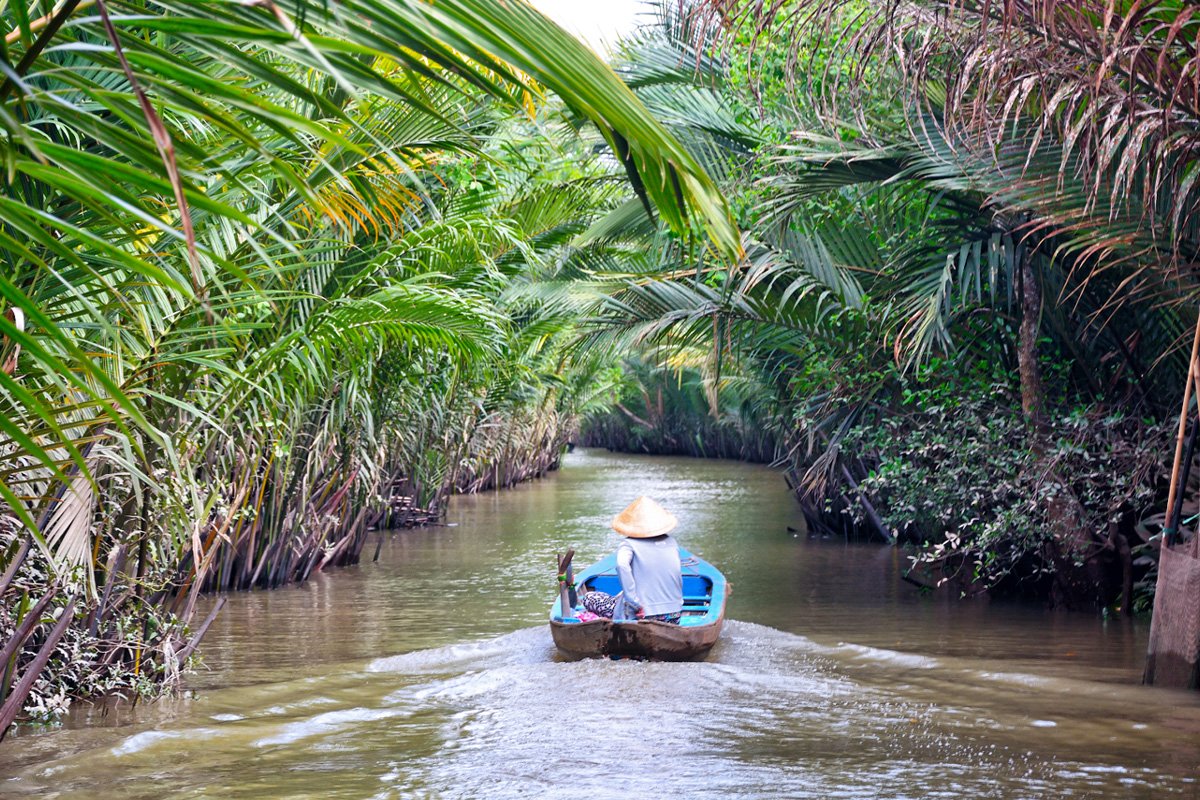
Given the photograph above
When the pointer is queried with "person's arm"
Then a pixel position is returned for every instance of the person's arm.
(625, 573)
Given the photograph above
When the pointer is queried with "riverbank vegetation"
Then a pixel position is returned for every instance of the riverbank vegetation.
(256, 295)
(966, 301)
(275, 279)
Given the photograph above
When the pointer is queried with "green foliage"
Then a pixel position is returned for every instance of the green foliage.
(262, 284)
(685, 410)
(982, 502)
(811, 80)
(900, 272)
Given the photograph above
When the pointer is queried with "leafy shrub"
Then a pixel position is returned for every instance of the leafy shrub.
(115, 660)
(978, 497)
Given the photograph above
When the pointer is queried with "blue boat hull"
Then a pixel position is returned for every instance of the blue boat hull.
(704, 588)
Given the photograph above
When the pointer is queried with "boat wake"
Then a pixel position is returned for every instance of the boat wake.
(768, 714)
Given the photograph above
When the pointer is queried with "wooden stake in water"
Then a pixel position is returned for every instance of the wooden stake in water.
(1183, 415)
(1173, 652)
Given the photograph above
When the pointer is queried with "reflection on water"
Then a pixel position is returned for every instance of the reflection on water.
(431, 674)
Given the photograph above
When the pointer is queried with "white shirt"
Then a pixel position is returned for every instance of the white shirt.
(651, 576)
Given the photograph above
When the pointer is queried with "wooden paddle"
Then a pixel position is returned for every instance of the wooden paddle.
(566, 586)
(572, 592)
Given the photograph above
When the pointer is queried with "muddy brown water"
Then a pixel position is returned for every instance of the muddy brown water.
(431, 674)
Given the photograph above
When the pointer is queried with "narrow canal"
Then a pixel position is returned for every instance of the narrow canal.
(431, 674)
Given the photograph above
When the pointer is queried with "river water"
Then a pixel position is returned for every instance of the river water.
(431, 674)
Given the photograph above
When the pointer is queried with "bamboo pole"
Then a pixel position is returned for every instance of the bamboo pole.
(1175, 512)
(1183, 415)
(1195, 543)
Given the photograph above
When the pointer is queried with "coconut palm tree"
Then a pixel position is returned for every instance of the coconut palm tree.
(229, 230)
(157, 178)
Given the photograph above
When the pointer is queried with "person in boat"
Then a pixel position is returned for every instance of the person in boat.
(648, 566)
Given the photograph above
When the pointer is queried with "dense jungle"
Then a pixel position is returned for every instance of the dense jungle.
(280, 277)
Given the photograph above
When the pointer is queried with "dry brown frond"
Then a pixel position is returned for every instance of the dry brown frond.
(1088, 111)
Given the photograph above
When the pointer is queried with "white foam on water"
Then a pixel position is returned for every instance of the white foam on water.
(890, 657)
(324, 724)
(507, 714)
(146, 739)
(280, 709)
(1018, 678)
(140, 741)
(528, 645)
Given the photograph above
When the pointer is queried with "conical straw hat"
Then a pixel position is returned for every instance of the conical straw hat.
(643, 519)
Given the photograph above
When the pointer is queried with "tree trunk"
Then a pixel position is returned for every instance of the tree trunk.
(1083, 568)
(1033, 393)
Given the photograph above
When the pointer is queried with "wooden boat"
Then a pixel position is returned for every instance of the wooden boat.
(704, 593)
